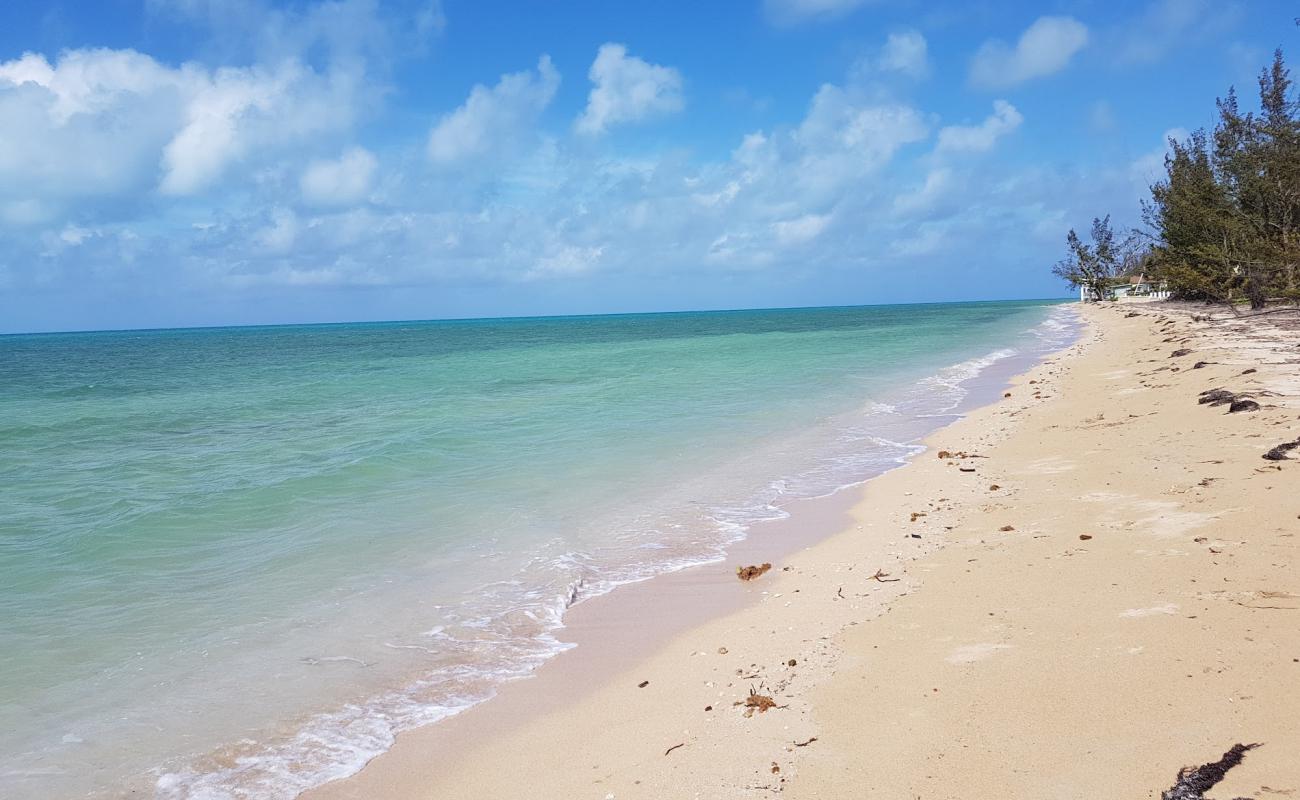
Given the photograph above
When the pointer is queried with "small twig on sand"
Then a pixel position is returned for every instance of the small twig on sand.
(883, 577)
(674, 747)
(805, 744)
(1194, 782)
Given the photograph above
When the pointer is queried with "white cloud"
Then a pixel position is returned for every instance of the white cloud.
(843, 136)
(340, 181)
(233, 111)
(979, 138)
(106, 123)
(790, 12)
(938, 184)
(905, 52)
(850, 188)
(801, 229)
(1045, 47)
(566, 261)
(627, 89)
(496, 117)
(278, 236)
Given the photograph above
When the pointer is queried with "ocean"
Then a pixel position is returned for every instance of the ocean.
(235, 562)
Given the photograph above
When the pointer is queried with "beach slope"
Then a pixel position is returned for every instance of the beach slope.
(1075, 592)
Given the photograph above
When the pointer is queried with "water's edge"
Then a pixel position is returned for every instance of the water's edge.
(587, 650)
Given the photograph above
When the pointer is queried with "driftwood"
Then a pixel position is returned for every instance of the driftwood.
(1194, 782)
(674, 747)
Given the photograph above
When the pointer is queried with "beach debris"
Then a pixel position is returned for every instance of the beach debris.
(722, 651)
(1200, 364)
(1279, 453)
(966, 469)
(751, 572)
(643, 684)
(708, 708)
(944, 454)
(1215, 397)
(882, 577)
(1250, 371)
(1194, 782)
(917, 515)
(1083, 537)
(758, 702)
(805, 744)
(1243, 404)
(1006, 528)
(674, 747)
(993, 487)
(1006, 394)
(1182, 351)
(775, 768)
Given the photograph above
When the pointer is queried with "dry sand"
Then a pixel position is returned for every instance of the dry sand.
(1003, 655)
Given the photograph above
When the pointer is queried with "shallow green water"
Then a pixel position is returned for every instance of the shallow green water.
(313, 536)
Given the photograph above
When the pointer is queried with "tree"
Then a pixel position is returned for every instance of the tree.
(1093, 267)
(1225, 219)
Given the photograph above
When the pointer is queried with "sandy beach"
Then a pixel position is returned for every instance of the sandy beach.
(1075, 592)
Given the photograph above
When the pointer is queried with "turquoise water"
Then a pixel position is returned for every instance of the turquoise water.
(234, 562)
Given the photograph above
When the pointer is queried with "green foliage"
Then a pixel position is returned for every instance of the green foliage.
(1225, 219)
(1095, 266)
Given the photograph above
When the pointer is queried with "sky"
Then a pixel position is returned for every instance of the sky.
(168, 163)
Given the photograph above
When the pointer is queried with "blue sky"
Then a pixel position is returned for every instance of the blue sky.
(201, 162)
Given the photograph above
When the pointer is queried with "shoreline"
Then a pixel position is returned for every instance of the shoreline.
(666, 607)
(1061, 645)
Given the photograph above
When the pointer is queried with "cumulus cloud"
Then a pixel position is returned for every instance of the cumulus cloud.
(979, 138)
(790, 12)
(103, 123)
(905, 52)
(800, 229)
(340, 181)
(832, 191)
(627, 89)
(1045, 48)
(494, 117)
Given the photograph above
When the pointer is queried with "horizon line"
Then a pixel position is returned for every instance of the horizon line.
(511, 317)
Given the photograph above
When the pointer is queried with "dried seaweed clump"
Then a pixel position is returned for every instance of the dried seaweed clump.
(758, 702)
(1216, 397)
(751, 572)
(1194, 782)
(1279, 453)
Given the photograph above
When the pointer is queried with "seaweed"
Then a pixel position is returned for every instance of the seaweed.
(1194, 782)
(1279, 453)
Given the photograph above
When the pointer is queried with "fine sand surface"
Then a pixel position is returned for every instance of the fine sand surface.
(1002, 655)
